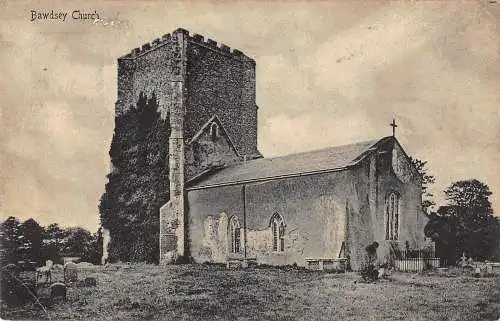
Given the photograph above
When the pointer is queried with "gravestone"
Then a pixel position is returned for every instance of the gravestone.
(58, 290)
(70, 272)
(89, 281)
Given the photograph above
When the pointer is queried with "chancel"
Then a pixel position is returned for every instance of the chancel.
(228, 202)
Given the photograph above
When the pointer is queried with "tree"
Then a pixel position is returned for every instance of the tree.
(78, 241)
(11, 240)
(472, 209)
(94, 253)
(33, 233)
(427, 180)
(55, 234)
(441, 228)
(31, 242)
(472, 195)
(466, 224)
(54, 241)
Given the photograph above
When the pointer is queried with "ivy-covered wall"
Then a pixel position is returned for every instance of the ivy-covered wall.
(138, 182)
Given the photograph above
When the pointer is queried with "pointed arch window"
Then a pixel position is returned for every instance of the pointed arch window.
(278, 232)
(392, 216)
(235, 234)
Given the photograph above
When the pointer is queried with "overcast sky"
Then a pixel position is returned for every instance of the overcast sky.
(328, 73)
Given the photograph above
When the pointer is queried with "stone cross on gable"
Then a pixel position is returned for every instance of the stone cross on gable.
(393, 125)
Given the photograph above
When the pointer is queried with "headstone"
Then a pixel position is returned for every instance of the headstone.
(58, 290)
(70, 272)
(89, 281)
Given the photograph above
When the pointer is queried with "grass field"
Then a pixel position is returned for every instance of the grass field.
(199, 292)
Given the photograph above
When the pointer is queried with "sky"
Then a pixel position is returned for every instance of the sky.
(328, 73)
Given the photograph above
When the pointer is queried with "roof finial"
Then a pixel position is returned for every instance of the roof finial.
(393, 125)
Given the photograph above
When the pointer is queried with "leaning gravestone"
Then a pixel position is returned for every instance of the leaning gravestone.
(70, 272)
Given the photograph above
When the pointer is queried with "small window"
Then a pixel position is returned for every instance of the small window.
(392, 216)
(214, 131)
(278, 232)
(235, 234)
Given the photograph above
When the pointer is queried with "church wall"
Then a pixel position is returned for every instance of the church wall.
(395, 173)
(146, 71)
(313, 208)
(222, 83)
(154, 73)
(373, 179)
(360, 221)
(209, 211)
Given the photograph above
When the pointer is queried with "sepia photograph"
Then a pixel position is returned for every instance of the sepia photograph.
(250, 160)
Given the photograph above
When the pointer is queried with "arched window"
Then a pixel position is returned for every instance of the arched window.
(235, 234)
(278, 231)
(392, 216)
(214, 131)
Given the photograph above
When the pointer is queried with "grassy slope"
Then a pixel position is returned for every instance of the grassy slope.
(194, 292)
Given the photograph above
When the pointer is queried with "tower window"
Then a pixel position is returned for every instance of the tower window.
(392, 216)
(214, 131)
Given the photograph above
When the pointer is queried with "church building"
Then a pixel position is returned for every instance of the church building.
(228, 202)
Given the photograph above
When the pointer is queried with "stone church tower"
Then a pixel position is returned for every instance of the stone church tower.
(207, 92)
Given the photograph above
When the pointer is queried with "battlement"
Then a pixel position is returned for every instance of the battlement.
(150, 46)
(195, 38)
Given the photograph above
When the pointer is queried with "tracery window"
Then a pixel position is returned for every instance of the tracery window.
(235, 234)
(392, 216)
(278, 232)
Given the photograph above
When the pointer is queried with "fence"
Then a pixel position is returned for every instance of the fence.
(415, 260)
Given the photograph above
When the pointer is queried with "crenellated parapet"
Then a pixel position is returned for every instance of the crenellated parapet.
(220, 47)
(147, 47)
(193, 38)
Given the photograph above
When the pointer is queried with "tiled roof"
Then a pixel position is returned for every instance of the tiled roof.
(332, 158)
